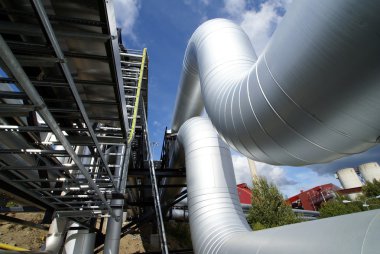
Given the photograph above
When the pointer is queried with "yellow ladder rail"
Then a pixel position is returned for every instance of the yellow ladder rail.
(136, 106)
(4, 246)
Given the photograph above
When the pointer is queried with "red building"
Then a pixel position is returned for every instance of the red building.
(313, 198)
(245, 193)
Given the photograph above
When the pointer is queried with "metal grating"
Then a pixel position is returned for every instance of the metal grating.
(66, 105)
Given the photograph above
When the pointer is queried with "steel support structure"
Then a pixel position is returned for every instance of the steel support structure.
(12, 63)
(67, 74)
(72, 119)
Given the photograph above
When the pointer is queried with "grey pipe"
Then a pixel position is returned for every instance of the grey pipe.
(79, 241)
(217, 221)
(112, 241)
(310, 97)
(56, 235)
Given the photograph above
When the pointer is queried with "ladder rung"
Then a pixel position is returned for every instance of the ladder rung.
(131, 70)
(130, 78)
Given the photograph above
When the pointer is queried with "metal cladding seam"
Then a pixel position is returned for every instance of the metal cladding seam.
(214, 208)
(217, 221)
(310, 97)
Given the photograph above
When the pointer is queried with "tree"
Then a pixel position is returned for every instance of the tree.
(268, 207)
(371, 189)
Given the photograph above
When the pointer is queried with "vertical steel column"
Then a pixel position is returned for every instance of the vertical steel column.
(66, 71)
(113, 232)
(118, 175)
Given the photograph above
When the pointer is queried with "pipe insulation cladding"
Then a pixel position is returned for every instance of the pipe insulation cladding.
(312, 96)
(217, 221)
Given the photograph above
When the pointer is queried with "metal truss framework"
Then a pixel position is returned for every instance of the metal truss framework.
(66, 105)
(73, 115)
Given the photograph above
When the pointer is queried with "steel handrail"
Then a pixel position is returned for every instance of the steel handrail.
(136, 106)
(155, 193)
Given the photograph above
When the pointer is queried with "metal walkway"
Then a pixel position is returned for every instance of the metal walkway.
(67, 103)
(72, 115)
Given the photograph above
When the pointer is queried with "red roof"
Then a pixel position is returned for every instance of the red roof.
(312, 199)
(245, 193)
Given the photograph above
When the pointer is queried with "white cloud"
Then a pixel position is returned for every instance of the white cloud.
(308, 179)
(199, 7)
(290, 180)
(205, 2)
(157, 124)
(242, 172)
(274, 174)
(258, 24)
(126, 12)
(192, 2)
(234, 7)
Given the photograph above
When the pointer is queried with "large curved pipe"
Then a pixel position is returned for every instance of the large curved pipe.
(217, 221)
(310, 97)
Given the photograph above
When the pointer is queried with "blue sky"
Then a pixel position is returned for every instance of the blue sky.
(165, 26)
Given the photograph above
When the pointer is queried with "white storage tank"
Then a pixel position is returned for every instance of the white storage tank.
(348, 178)
(370, 171)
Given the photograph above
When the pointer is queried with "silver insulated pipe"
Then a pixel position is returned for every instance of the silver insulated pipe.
(312, 96)
(217, 221)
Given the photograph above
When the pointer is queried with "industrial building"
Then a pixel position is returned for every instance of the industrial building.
(74, 139)
(313, 198)
(352, 179)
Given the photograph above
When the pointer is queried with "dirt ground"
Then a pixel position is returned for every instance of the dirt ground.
(33, 239)
(22, 236)
(131, 244)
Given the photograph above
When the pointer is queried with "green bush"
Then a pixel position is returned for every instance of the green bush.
(337, 207)
(268, 207)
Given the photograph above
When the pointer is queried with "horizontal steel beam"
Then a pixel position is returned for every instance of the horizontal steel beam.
(80, 21)
(12, 95)
(32, 151)
(148, 186)
(20, 209)
(113, 131)
(11, 110)
(167, 173)
(22, 222)
(34, 30)
(60, 82)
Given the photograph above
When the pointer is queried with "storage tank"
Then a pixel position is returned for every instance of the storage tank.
(349, 179)
(370, 171)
